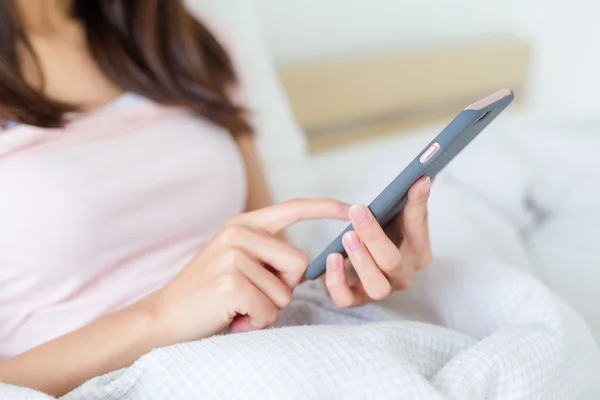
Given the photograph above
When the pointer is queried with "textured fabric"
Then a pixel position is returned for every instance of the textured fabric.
(105, 211)
(466, 331)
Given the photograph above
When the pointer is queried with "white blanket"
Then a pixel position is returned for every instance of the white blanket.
(466, 331)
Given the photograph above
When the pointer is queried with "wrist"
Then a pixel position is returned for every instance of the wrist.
(149, 316)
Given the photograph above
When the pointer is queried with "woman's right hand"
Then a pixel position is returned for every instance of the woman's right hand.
(240, 279)
(243, 277)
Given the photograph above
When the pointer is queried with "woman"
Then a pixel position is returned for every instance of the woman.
(136, 215)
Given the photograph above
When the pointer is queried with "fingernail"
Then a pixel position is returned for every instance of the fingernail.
(359, 213)
(351, 241)
(425, 186)
(333, 263)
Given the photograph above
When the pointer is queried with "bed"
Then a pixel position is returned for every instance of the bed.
(479, 323)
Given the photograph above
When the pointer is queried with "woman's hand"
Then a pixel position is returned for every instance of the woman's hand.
(240, 279)
(243, 277)
(381, 261)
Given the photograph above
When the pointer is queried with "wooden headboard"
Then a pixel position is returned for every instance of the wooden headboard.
(336, 101)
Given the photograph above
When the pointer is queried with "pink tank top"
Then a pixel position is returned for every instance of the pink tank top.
(105, 211)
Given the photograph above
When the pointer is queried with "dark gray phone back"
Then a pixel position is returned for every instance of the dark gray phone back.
(452, 140)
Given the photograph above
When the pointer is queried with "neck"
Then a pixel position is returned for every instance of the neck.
(43, 16)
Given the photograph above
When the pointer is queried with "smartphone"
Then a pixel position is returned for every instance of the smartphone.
(431, 160)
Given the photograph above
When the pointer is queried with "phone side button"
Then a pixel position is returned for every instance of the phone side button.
(429, 153)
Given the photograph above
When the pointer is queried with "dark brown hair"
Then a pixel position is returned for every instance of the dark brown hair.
(151, 47)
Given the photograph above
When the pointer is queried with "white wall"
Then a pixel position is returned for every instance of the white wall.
(564, 79)
(308, 29)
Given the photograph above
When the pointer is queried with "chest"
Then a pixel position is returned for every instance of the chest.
(102, 195)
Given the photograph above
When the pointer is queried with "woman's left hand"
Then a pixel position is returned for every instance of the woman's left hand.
(381, 261)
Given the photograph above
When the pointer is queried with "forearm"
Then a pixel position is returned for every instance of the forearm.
(108, 344)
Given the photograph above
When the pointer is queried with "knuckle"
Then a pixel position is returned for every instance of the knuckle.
(405, 283)
(302, 259)
(294, 203)
(238, 220)
(227, 284)
(337, 207)
(392, 264)
(233, 220)
(333, 285)
(341, 300)
(293, 208)
(233, 257)
(426, 258)
(231, 232)
(381, 292)
(371, 232)
(417, 217)
(418, 212)
(271, 316)
(345, 302)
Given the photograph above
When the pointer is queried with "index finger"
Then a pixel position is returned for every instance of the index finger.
(280, 216)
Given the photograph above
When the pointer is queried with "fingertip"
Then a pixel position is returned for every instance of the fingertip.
(338, 261)
(360, 214)
(241, 324)
(333, 266)
(351, 241)
(293, 278)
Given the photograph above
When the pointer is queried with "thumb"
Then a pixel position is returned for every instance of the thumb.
(415, 215)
